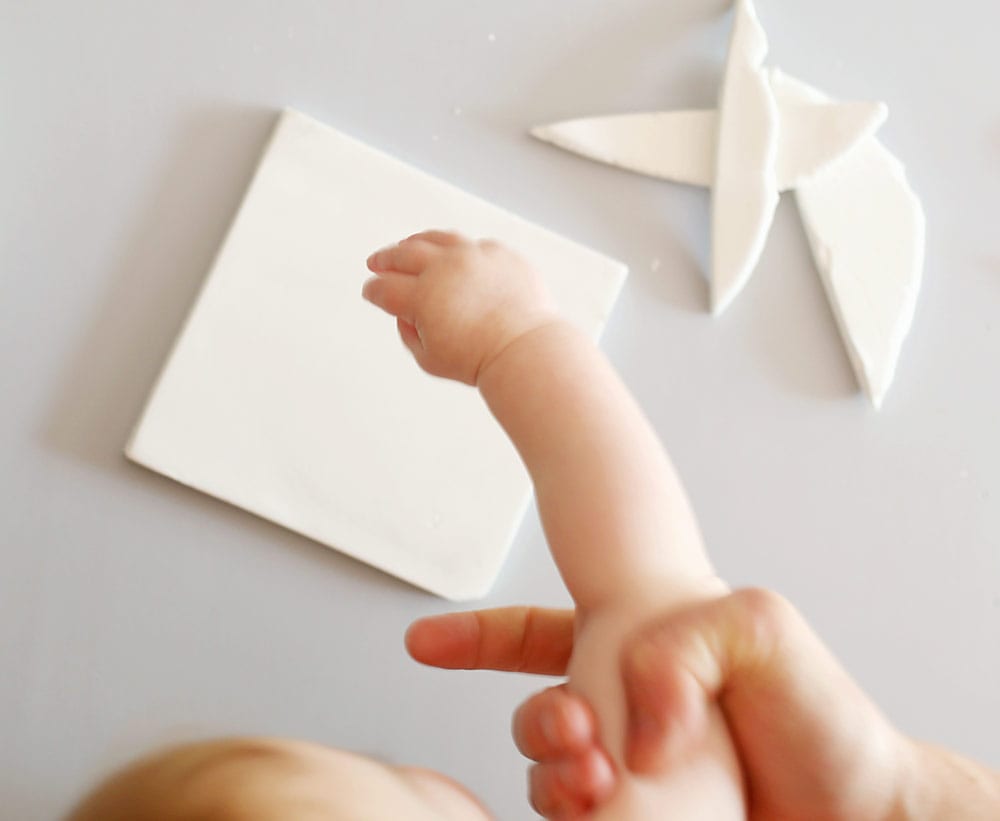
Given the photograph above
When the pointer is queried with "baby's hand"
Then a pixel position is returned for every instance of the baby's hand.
(458, 303)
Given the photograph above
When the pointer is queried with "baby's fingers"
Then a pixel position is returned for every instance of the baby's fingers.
(443, 238)
(393, 293)
(411, 256)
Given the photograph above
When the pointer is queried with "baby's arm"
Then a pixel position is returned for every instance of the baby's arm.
(617, 521)
(616, 517)
(615, 514)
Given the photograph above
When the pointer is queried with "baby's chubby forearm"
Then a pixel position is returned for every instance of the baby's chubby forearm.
(615, 514)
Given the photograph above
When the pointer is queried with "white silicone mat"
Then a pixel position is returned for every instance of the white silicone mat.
(288, 395)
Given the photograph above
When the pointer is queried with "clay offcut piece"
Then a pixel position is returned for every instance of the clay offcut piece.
(673, 145)
(289, 396)
(745, 193)
(679, 146)
(867, 229)
(864, 222)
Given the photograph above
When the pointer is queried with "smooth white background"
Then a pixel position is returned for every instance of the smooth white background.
(134, 611)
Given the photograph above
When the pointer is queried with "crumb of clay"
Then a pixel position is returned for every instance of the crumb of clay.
(654, 265)
(491, 37)
(457, 111)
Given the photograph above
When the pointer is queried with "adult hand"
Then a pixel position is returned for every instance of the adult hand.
(812, 745)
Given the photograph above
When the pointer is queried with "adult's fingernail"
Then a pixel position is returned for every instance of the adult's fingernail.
(603, 776)
(578, 728)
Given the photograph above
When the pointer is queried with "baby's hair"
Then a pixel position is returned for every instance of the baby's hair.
(190, 782)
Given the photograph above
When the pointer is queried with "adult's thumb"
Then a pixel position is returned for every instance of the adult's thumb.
(676, 667)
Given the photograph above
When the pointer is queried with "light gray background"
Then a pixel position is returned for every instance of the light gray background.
(134, 611)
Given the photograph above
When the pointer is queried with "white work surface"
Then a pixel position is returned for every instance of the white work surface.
(134, 611)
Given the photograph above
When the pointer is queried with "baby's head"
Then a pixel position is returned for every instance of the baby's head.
(272, 780)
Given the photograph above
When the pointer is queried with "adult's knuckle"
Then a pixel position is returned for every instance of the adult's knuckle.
(768, 614)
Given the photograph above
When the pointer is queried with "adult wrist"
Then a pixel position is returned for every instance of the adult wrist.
(939, 784)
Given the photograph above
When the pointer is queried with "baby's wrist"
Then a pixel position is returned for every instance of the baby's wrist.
(538, 330)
